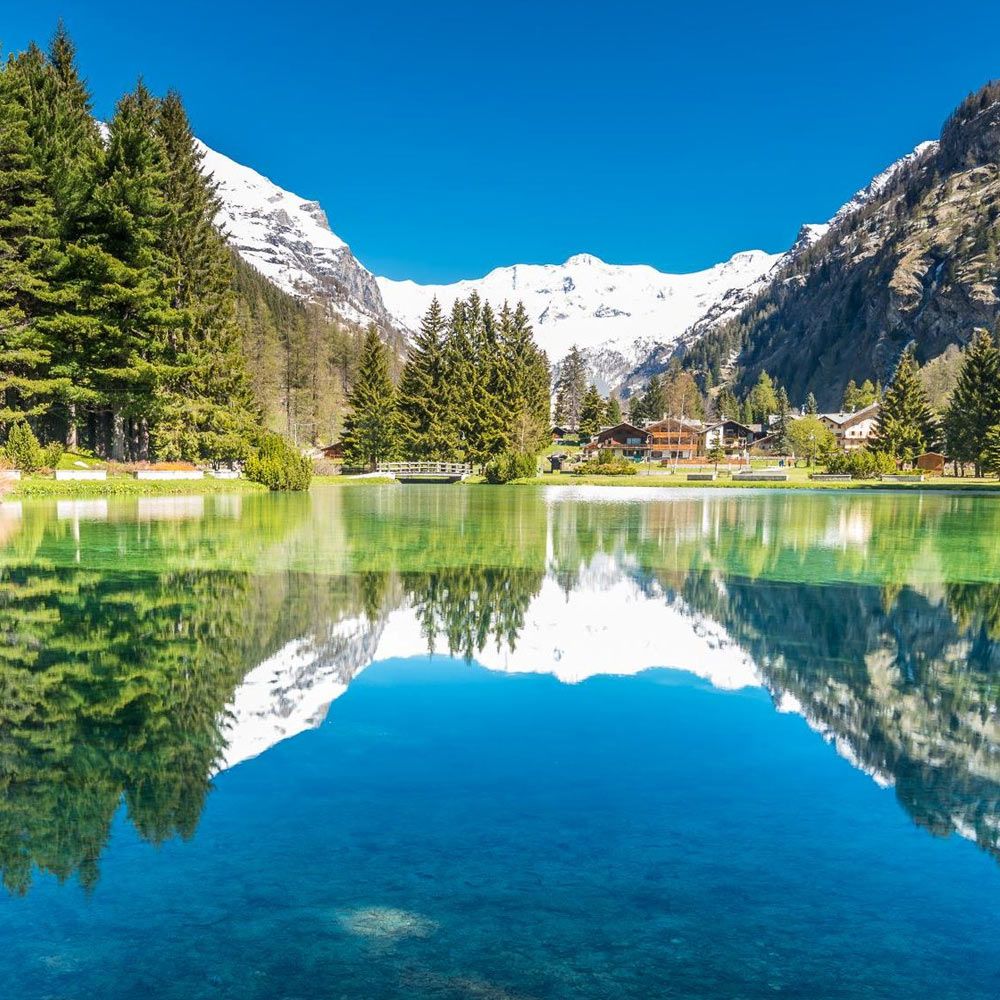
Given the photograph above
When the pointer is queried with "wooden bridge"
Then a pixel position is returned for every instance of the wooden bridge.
(425, 472)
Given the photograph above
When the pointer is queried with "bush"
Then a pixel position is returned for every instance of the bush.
(606, 464)
(51, 454)
(861, 464)
(277, 464)
(510, 465)
(23, 448)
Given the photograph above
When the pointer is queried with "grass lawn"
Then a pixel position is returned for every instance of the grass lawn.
(79, 460)
(126, 486)
(797, 479)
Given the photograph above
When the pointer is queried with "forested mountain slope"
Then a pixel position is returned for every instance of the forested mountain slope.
(914, 263)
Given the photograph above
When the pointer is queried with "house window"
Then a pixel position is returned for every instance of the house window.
(633, 441)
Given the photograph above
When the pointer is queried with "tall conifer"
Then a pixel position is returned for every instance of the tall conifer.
(906, 423)
(975, 404)
(371, 430)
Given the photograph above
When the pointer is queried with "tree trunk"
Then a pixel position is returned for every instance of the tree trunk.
(117, 436)
(143, 440)
(72, 440)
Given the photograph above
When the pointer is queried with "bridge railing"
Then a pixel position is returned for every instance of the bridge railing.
(402, 469)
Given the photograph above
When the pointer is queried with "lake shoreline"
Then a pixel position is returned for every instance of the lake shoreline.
(124, 486)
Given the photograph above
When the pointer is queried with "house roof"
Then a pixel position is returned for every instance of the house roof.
(845, 419)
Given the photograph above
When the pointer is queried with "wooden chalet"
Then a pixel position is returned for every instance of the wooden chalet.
(675, 438)
(624, 440)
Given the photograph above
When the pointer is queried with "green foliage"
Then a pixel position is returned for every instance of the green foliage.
(862, 463)
(278, 465)
(52, 454)
(809, 437)
(23, 449)
(716, 454)
(371, 430)
(762, 401)
(975, 402)
(591, 412)
(906, 424)
(571, 386)
(510, 465)
(991, 450)
(858, 397)
(474, 386)
(613, 411)
(607, 464)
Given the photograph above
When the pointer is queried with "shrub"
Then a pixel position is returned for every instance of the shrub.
(277, 464)
(510, 465)
(606, 464)
(51, 454)
(861, 464)
(23, 448)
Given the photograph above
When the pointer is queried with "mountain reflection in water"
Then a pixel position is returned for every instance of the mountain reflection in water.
(149, 645)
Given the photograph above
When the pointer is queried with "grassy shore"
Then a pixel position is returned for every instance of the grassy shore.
(126, 486)
(798, 479)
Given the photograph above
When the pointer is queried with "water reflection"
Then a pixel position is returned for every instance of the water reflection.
(147, 645)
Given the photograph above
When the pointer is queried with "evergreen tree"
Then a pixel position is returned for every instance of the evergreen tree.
(429, 424)
(850, 401)
(592, 412)
(526, 381)
(975, 404)
(780, 429)
(570, 389)
(811, 408)
(990, 454)
(371, 432)
(727, 406)
(763, 400)
(613, 412)
(867, 394)
(652, 405)
(29, 252)
(203, 395)
(906, 424)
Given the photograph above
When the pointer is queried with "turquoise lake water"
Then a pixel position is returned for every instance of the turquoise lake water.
(697, 745)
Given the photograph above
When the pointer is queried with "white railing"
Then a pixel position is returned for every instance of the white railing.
(402, 470)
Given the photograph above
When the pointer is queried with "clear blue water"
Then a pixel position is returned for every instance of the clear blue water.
(451, 831)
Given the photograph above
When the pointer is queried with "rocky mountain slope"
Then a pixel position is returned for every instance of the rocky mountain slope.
(289, 240)
(916, 261)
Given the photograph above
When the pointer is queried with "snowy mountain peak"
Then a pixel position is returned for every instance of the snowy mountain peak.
(587, 302)
(289, 240)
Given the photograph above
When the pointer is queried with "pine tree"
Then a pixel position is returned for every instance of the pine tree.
(371, 431)
(68, 151)
(429, 422)
(850, 401)
(727, 406)
(867, 394)
(763, 400)
(613, 412)
(29, 252)
(592, 412)
(990, 454)
(126, 274)
(906, 423)
(204, 394)
(811, 408)
(780, 429)
(523, 389)
(652, 405)
(570, 388)
(975, 404)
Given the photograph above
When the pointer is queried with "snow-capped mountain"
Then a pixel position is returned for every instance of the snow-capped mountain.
(627, 318)
(614, 311)
(289, 240)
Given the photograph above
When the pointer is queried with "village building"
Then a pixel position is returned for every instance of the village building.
(675, 438)
(624, 440)
(853, 430)
(734, 436)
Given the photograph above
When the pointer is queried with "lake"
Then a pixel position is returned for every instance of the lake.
(500, 744)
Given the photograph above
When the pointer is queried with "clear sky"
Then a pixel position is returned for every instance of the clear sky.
(446, 138)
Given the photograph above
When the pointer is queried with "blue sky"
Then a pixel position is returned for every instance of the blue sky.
(444, 139)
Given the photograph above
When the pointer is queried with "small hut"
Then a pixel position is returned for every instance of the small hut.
(932, 462)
